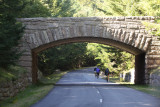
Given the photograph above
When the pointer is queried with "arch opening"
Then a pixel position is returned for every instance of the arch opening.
(139, 54)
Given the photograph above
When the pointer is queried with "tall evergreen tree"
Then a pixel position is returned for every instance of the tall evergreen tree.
(10, 31)
(35, 8)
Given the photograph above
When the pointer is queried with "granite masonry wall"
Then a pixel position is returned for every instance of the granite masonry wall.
(11, 88)
(155, 77)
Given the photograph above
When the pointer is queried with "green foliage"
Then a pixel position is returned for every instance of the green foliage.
(132, 7)
(100, 54)
(62, 57)
(29, 96)
(149, 7)
(153, 28)
(52, 79)
(33, 93)
(10, 31)
(119, 8)
(89, 8)
(109, 57)
(123, 61)
(48, 8)
(78, 55)
(48, 3)
(11, 73)
(35, 8)
(63, 8)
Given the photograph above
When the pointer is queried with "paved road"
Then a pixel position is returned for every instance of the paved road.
(91, 93)
(83, 77)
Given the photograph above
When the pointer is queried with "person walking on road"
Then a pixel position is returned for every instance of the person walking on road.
(107, 74)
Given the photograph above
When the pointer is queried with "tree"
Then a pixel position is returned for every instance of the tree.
(10, 31)
(63, 8)
(129, 7)
(62, 57)
(34, 8)
(109, 57)
(89, 8)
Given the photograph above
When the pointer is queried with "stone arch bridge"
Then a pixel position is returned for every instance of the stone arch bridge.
(126, 33)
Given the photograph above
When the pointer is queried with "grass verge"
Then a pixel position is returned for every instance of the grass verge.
(33, 93)
(152, 90)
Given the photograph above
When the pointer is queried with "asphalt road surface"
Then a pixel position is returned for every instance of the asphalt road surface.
(80, 88)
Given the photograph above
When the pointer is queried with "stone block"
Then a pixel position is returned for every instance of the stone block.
(107, 22)
(120, 18)
(115, 26)
(25, 63)
(152, 76)
(126, 38)
(1, 95)
(155, 43)
(52, 25)
(25, 58)
(73, 31)
(123, 26)
(155, 82)
(142, 42)
(146, 45)
(153, 52)
(128, 17)
(46, 37)
(154, 48)
(123, 35)
(157, 62)
(116, 22)
(38, 38)
(131, 38)
(158, 78)
(6, 94)
(137, 31)
(132, 26)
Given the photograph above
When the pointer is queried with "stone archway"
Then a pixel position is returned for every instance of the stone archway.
(126, 33)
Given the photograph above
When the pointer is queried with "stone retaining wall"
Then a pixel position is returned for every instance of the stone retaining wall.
(155, 80)
(11, 88)
(155, 77)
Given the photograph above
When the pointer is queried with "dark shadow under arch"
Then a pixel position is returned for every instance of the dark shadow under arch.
(139, 54)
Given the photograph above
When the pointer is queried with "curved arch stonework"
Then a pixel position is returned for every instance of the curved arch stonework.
(126, 33)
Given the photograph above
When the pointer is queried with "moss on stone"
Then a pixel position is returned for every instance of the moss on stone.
(11, 73)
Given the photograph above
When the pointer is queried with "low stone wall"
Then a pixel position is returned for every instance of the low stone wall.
(155, 77)
(11, 88)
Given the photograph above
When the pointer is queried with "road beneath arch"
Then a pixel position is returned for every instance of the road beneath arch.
(80, 88)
